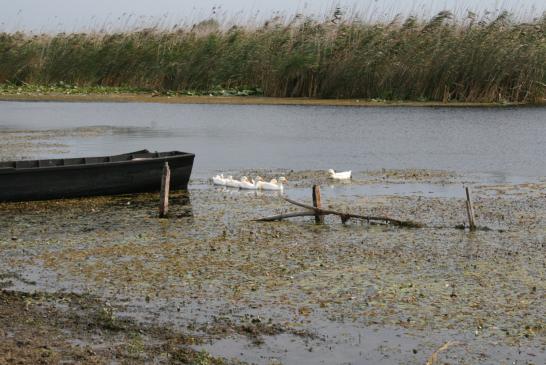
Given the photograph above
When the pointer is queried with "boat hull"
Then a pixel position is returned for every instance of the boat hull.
(117, 175)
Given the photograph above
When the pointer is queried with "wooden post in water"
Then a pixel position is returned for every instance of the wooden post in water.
(319, 219)
(470, 210)
(164, 195)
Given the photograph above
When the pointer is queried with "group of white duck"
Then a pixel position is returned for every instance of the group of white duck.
(249, 184)
(274, 184)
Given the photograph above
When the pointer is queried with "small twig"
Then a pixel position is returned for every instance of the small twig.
(434, 357)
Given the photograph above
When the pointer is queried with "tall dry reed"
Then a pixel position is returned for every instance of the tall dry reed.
(438, 59)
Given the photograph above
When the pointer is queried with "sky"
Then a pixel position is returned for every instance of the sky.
(85, 15)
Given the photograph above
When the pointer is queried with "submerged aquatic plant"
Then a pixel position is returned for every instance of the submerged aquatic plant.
(438, 59)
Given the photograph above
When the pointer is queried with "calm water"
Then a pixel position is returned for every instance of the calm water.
(497, 141)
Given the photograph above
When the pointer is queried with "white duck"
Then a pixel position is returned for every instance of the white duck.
(232, 183)
(272, 185)
(345, 175)
(219, 180)
(247, 184)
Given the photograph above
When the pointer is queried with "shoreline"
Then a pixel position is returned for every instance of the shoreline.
(244, 100)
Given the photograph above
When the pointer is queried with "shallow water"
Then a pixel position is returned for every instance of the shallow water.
(370, 294)
(500, 142)
(351, 344)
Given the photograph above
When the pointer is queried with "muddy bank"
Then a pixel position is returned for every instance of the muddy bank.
(233, 100)
(294, 291)
(41, 328)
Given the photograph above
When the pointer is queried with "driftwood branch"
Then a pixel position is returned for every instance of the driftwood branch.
(314, 211)
(346, 216)
(286, 215)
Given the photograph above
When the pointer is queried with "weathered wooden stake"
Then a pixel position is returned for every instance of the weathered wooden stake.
(470, 210)
(164, 195)
(319, 219)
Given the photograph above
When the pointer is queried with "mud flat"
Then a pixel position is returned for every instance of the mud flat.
(104, 279)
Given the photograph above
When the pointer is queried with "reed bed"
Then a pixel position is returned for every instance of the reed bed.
(438, 59)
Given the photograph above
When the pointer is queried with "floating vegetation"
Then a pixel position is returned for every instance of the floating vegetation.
(443, 58)
(212, 269)
(62, 88)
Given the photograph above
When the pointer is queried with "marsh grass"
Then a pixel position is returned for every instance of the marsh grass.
(438, 59)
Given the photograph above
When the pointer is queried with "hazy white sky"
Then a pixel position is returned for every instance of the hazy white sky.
(70, 15)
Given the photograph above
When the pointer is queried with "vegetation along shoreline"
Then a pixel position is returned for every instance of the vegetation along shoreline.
(442, 59)
(115, 95)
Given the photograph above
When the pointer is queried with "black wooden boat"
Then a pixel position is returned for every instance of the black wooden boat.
(134, 172)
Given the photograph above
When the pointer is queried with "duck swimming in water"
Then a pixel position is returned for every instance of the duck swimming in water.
(219, 180)
(345, 175)
(246, 184)
(274, 184)
(232, 183)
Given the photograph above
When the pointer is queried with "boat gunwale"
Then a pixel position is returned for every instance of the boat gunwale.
(15, 170)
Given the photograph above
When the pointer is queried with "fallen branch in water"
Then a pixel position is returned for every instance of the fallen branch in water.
(346, 216)
(317, 212)
(287, 215)
(314, 211)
